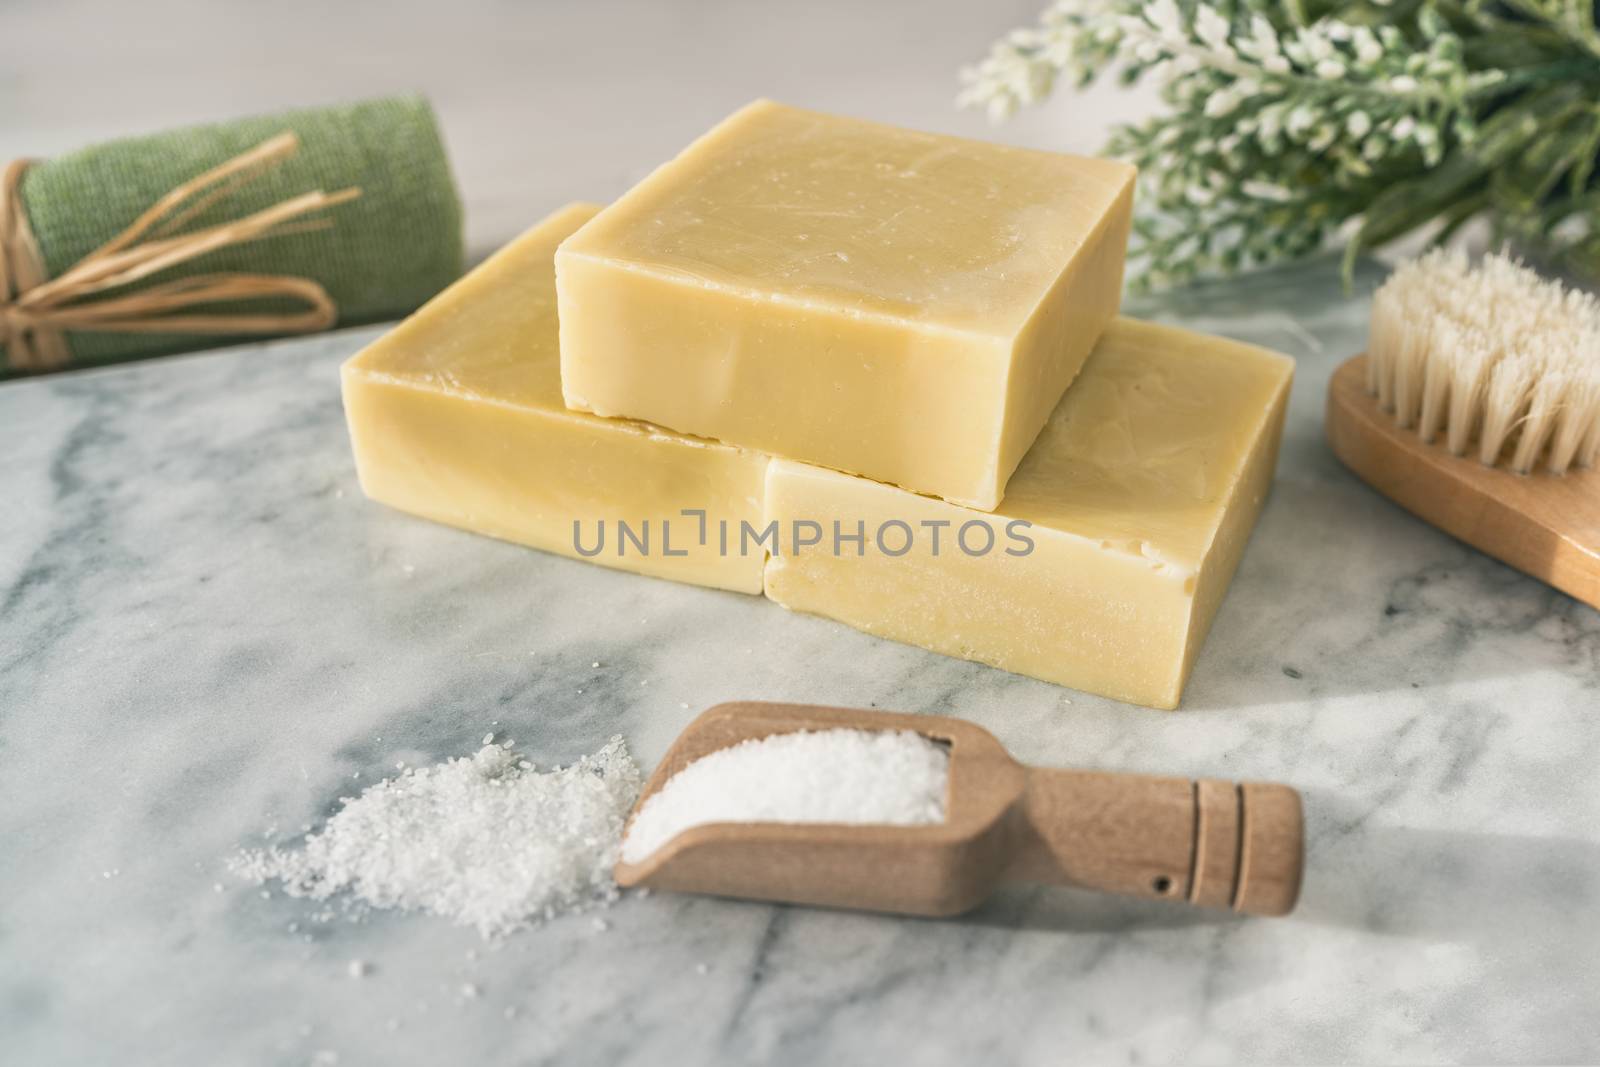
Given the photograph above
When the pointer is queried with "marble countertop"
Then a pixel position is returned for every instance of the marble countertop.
(207, 630)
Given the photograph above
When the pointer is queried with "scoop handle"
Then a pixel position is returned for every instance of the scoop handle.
(1209, 843)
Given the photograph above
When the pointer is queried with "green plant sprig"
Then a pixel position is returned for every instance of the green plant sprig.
(1290, 124)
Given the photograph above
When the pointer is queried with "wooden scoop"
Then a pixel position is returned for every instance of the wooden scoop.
(1211, 843)
(1545, 525)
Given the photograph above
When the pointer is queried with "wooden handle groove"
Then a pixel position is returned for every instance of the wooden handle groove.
(1217, 835)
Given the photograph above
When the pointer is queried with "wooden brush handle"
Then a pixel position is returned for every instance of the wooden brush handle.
(1546, 525)
(1214, 844)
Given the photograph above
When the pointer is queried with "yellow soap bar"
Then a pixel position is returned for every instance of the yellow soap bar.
(900, 305)
(456, 415)
(1105, 563)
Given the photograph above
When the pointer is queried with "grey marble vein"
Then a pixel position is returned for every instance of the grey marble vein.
(207, 634)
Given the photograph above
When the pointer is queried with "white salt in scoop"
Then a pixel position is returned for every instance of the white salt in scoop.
(887, 778)
(926, 815)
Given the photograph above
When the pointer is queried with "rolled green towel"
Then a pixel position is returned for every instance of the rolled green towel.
(385, 253)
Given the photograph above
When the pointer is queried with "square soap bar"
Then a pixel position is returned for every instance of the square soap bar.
(900, 305)
(1107, 560)
(456, 415)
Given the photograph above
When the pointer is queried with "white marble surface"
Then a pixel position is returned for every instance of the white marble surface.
(206, 631)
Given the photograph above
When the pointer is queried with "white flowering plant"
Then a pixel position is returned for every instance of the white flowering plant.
(1290, 124)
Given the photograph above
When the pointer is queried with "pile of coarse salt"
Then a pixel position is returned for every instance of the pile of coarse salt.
(485, 840)
(895, 778)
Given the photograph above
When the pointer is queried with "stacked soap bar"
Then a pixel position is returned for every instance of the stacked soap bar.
(895, 318)
(899, 305)
(456, 415)
(1118, 535)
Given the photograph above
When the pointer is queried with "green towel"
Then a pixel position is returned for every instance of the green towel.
(388, 251)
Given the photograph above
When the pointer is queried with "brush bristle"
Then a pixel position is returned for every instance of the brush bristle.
(1499, 360)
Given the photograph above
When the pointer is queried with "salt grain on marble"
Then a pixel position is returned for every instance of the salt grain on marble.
(893, 778)
(485, 840)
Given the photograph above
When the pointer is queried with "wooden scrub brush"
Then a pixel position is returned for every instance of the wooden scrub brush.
(1477, 408)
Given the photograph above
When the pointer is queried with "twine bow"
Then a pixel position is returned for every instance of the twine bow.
(35, 311)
